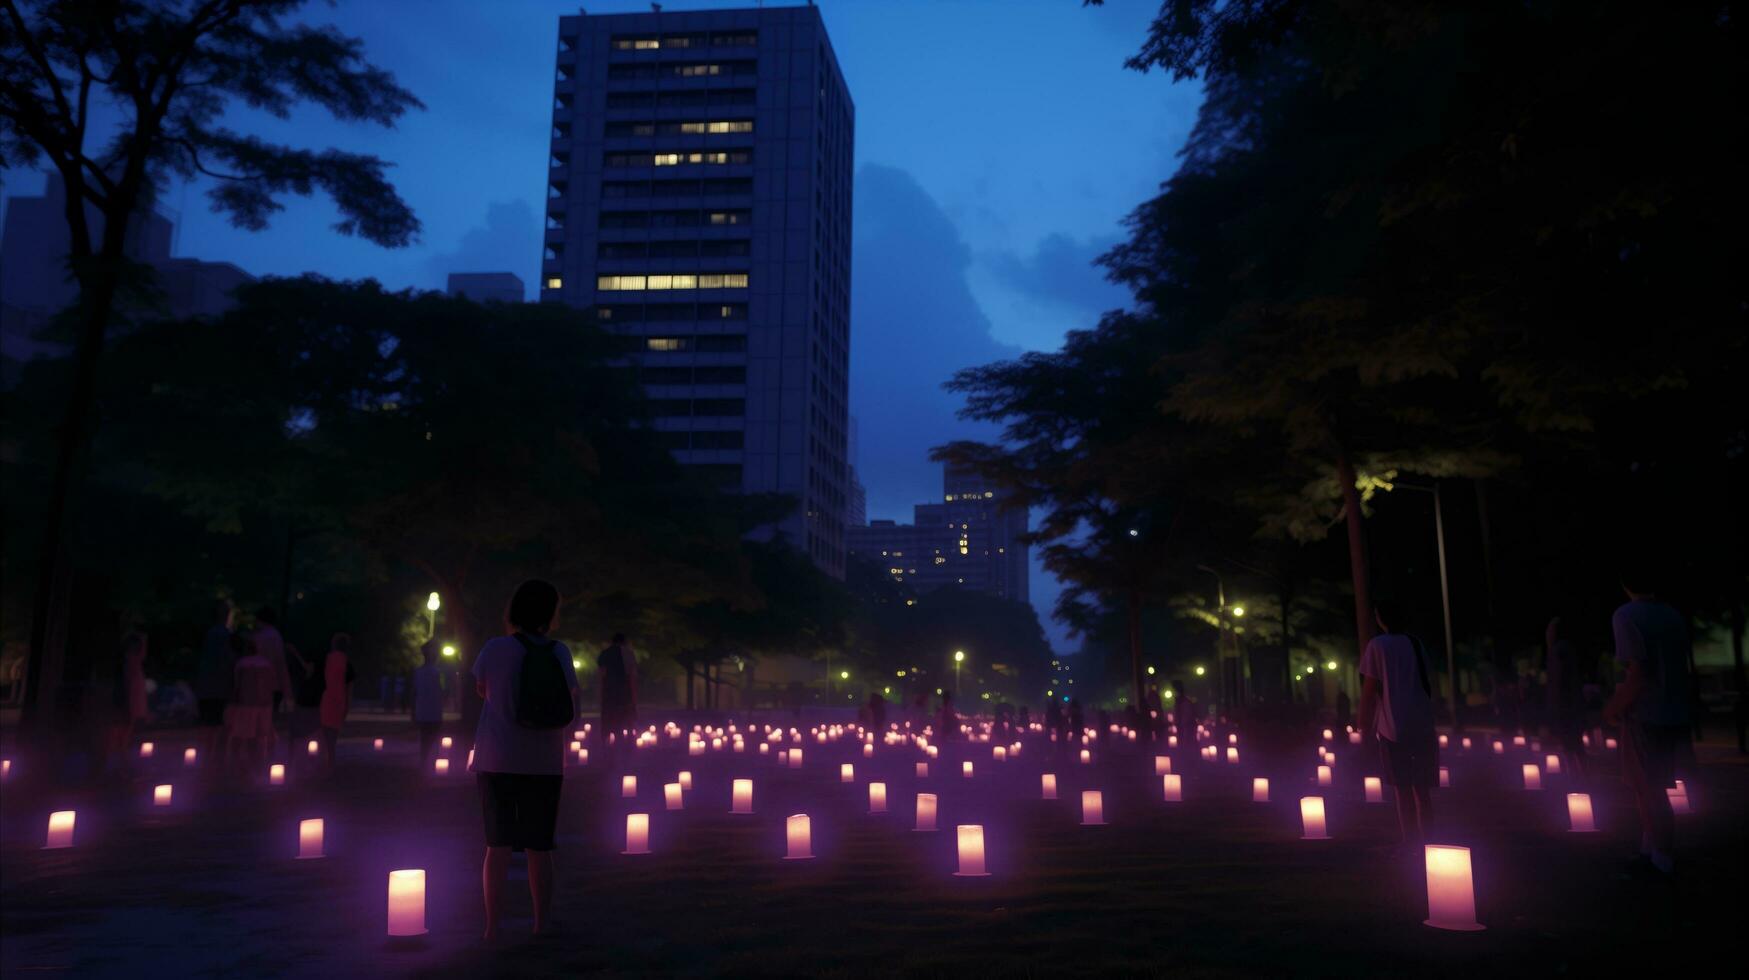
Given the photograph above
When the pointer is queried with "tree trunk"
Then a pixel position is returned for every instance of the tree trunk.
(1742, 706)
(1287, 642)
(1489, 643)
(1359, 567)
(1135, 625)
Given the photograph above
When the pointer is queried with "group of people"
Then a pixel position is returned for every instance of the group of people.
(246, 679)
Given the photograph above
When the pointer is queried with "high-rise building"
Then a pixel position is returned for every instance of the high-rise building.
(969, 539)
(698, 203)
(486, 287)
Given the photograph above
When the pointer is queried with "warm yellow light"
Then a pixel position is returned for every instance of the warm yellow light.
(959, 656)
(276, 774)
(1092, 808)
(1150, 671)
(1312, 818)
(310, 838)
(971, 850)
(742, 800)
(1330, 665)
(1451, 896)
(628, 787)
(1048, 786)
(554, 282)
(407, 903)
(1200, 671)
(1579, 813)
(60, 829)
(877, 797)
(1170, 695)
(1375, 790)
(1172, 786)
(1259, 790)
(449, 650)
(433, 603)
(637, 833)
(799, 831)
(925, 812)
(844, 675)
(1238, 612)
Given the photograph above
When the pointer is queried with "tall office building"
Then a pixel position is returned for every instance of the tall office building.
(969, 540)
(698, 202)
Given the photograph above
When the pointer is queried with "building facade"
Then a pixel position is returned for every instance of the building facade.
(698, 204)
(969, 539)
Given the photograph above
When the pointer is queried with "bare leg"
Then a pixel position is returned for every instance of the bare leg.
(492, 875)
(540, 886)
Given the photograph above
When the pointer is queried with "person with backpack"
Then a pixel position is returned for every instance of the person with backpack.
(527, 685)
(618, 674)
(1396, 706)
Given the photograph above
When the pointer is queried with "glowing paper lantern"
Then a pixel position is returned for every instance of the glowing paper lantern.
(1499, 747)
(966, 769)
(145, 750)
(1444, 778)
(1312, 818)
(628, 787)
(799, 831)
(376, 745)
(1353, 738)
(440, 766)
(1518, 741)
(971, 850)
(922, 770)
(1579, 813)
(60, 830)
(582, 758)
(1173, 785)
(925, 813)
(1328, 734)
(1533, 777)
(671, 796)
(313, 747)
(407, 903)
(684, 779)
(1552, 764)
(1466, 743)
(999, 753)
(795, 758)
(1444, 741)
(189, 756)
(1323, 775)
(1678, 796)
(1609, 744)
(276, 774)
(1086, 757)
(741, 799)
(1172, 741)
(1232, 756)
(1048, 786)
(868, 750)
(1451, 896)
(446, 742)
(1259, 790)
(764, 748)
(1375, 790)
(637, 833)
(847, 773)
(5, 768)
(934, 751)
(1092, 808)
(877, 797)
(1162, 765)
(309, 838)
(161, 794)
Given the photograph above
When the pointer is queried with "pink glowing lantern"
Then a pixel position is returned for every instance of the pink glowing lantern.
(684, 778)
(5, 768)
(741, 796)
(582, 758)
(925, 813)
(1445, 741)
(1499, 747)
(1048, 786)
(312, 747)
(1173, 786)
(161, 794)
(1451, 895)
(276, 774)
(1092, 808)
(1444, 778)
(795, 758)
(1172, 741)
(628, 787)
(1466, 743)
(999, 753)
(1328, 734)
(407, 902)
(922, 770)
(798, 830)
(847, 773)
(671, 797)
(1552, 764)
(1259, 790)
(877, 797)
(60, 830)
(966, 768)
(471, 759)
(1353, 738)
(637, 833)
(1086, 757)
(971, 851)
(1678, 796)
(1518, 741)
(1324, 776)
(309, 838)
(145, 750)
(764, 748)
(376, 745)
(1162, 765)
(189, 756)
(1312, 818)
(440, 766)
(1609, 744)
(1533, 777)
(1579, 817)
(447, 743)
(1375, 790)
(868, 750)
(1232, 756)
(576, 746)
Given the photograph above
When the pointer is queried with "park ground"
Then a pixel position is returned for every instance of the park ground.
(1214, 886)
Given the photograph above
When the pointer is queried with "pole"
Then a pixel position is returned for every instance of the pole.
(1445, 600)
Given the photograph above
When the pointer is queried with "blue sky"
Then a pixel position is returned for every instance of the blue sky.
(999, 145)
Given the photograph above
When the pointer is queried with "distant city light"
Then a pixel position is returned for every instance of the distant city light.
(1150, 671)
(1239, 612)
(1201, 671)
(1331, 665)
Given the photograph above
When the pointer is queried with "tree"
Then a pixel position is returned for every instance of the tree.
(173, 68)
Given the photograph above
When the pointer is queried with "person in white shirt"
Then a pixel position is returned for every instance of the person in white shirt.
(1652, 705)
(1396, 707)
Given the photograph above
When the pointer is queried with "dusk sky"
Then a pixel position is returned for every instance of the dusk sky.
(998, 148)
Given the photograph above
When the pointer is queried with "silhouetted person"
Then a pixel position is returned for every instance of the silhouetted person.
(249, 717)
(1077, 721)
(1054, 718)
(428, 702)
(947, 720)
(1396, 706)
(1183, 709)
(520, 768)
(337, 677)
(1566, 696)
(617, 673)
(877, 713)
(308, 684)
(215, 679)
(127, 698)
(1651, 704)
(270, 644)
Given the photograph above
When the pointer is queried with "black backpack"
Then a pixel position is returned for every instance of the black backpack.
(543, 696)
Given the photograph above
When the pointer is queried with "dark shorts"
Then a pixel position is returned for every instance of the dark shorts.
(212, 712)
(521, 811)
(1412, 762)
(1648, 756)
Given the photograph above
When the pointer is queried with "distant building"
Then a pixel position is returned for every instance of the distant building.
(35, 282)
(487, 287)
(856, 512)
(969, 539)
(698, 202)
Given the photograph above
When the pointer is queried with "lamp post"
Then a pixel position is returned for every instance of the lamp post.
(959, 657)
(1220, 632)
(432, 604)
(1444, 594)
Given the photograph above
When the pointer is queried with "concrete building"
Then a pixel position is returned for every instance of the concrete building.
(487, 287)
(968, 539)
(698, 202)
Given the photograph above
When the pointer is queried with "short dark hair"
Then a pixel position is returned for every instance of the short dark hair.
(533, 606)
(341, 642)
(1389, 612)
(619, 638)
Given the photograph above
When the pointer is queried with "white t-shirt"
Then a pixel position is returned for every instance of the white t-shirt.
(1655, 635)
(1405, 710)
(500, 744)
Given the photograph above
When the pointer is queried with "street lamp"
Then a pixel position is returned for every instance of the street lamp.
(844, 675)
(959, 657)
(432, 604)
(1238, 612)
(449, 649)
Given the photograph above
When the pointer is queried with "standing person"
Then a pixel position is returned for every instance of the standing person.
(128, 704)
(617, 674)
(308, 682)
(215, 679)
(526, 681)
(1396, 705)
(947, 720)
(1651, 704)
(249, 717)
(1054, 718)
(428, 702)
(337, 677)
(877, 713)
(270, 644)
(1077, 720)
(1566, 696)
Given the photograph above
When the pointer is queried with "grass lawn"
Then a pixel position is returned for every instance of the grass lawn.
(1214, 886)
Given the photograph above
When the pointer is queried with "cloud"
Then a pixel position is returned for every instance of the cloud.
(509, 241)
(1061, 273)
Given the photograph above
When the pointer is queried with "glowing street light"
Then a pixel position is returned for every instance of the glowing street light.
(433, 603)
(1201, 671)
(844, 675)
(1238, 612)
(449, 649)
(959, 657)
(1330, 665)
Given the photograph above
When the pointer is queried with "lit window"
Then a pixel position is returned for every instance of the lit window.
(619, 282)
(555, 283)
(666, 159)
(665, 343)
